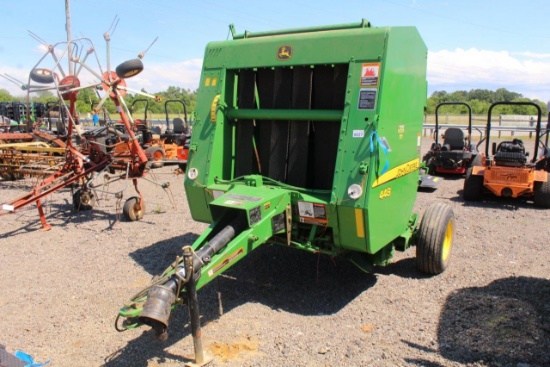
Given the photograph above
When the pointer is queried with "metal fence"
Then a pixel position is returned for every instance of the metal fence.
(501, 125)
(496, 130)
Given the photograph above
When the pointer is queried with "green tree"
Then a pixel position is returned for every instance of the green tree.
(5, 96)
(502, 94)
(481, 99)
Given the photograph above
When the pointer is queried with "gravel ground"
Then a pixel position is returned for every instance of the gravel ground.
(61, 290)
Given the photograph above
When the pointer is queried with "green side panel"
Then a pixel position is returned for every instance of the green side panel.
(401, 111)
(387, 111)
(211, 141)
(197, 199)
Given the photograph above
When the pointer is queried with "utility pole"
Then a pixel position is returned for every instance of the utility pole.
(548, 123)
(68, 29)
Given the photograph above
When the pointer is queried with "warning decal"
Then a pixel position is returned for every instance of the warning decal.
(370, 74)
(225, 262)
(312, 213)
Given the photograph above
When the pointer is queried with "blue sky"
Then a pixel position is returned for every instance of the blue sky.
(486, 44)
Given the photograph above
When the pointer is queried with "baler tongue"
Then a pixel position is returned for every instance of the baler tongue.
(245, 217)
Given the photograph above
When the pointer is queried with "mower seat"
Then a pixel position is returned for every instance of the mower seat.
(454, 138)
(179, 126)
(156, 130)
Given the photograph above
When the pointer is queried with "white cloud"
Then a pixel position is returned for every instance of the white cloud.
(159, 76)
(525, 73)
(156, 77)
(21, 74)
(533, 55)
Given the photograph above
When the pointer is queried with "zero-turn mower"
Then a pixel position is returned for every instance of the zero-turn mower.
(456, 153)
(297, 146)
(172, 145)
(506, 172)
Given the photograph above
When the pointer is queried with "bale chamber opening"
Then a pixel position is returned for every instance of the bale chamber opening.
(297, 151)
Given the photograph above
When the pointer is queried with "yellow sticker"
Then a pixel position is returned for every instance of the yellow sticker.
(397, 172)
(359, 223)
(214, 108)
(225, 262)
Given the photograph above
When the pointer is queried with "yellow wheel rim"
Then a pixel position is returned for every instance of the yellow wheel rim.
(447, 242)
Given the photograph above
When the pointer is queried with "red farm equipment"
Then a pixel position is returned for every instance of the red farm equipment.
(456, 153)
(93, 155)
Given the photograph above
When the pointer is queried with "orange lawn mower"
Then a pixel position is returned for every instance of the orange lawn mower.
(172, 146)
(169, 144)
(506, 172)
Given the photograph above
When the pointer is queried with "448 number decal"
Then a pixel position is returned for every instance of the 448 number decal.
(386, 193)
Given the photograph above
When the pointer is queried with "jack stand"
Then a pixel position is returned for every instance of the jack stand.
(193, 305)
(219, 292)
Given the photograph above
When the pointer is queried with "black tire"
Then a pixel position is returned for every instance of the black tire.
(429, 160)
(17, 176)
(133, 209)
(432, 167)
(435, 239)
(476, 161)
(473, 186)
(182, 166)
(6, 176)
(157, 156)
(43, 76)
(83, 200)
(129, 68)
(542, 193)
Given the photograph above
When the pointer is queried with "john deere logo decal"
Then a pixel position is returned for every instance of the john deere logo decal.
(284, 53)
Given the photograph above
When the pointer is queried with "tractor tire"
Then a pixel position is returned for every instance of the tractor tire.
(129, 68)
(133, 210)
(83, 200)
(435, 239)
(431, 167)
(542, 193)
(473, 186)
(43, 76)
(157, 155)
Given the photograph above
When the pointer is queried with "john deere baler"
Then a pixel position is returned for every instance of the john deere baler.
(308, 138)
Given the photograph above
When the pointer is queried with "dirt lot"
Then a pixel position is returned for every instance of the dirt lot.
(61, 291)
